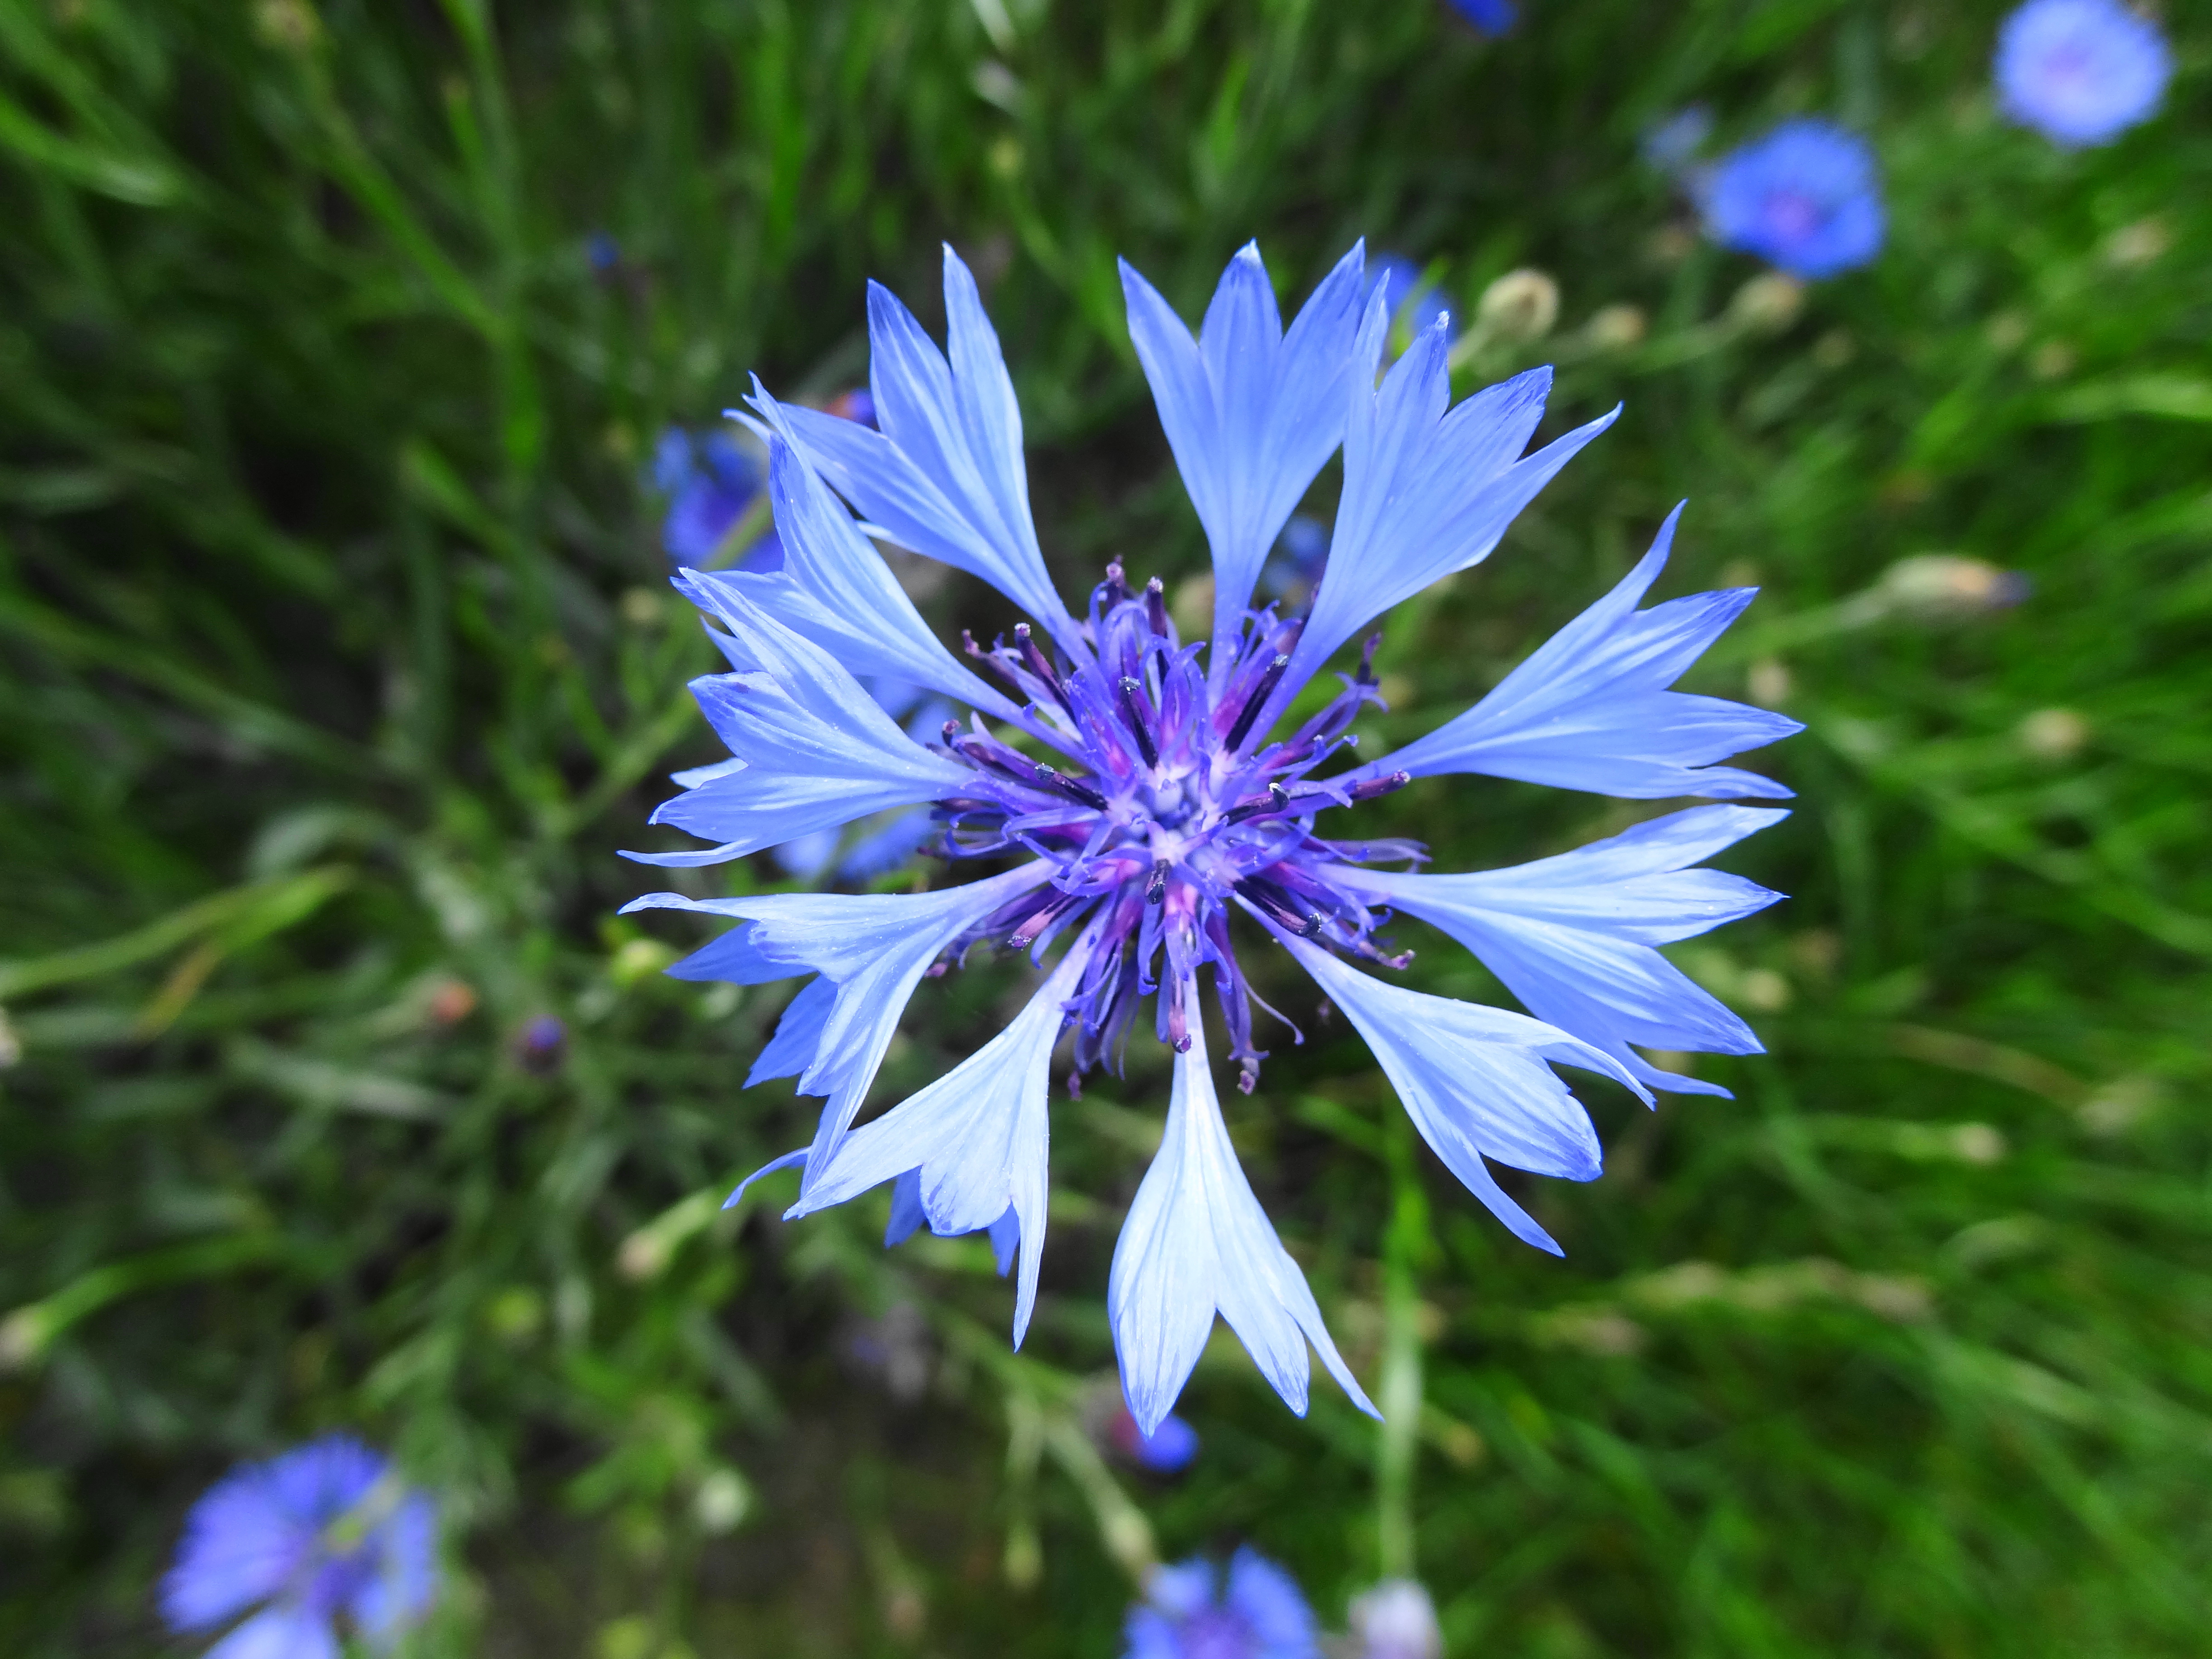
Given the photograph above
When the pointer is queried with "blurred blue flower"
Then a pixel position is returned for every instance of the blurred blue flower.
(1806, 197)
(1178, 797)
(1409, 302)
(1674, 144)
(603, 253)
(1191, 1611)
(541, 1045)
(1490, 17)
(323, 1533)
(708, 483)
(1301, 554)
(2080, 71)
(1168, 1449)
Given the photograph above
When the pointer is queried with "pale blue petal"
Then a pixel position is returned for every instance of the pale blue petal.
(789, 1160)
(818, 752)
(1196, 1242)
(945, 474)
(1426, 492)
(835, 587)
(872, 950)
(798, 1036)
(1474, 1080)
(1590, 708)
(1251, 413)
(407, 1579)
(1571, 936)
(978, 1134)
(907, 1214)
(283, 1631)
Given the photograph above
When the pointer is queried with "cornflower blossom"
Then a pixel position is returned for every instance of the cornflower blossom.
(1490, 17)
(1158, 797)
(323, 1531)
(1254, 1611)
(1168, 1449)
(1807, 198)
(2080, 72)
(708, 483)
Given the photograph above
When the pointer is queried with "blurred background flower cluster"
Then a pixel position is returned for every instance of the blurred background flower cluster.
(364, 1278)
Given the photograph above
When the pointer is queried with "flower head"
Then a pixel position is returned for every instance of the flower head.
(1191, 1611)
(1490, 17)
(1154, 811)
(321, 1533)
(1806, 197)
(708, 484)
(2080, 72)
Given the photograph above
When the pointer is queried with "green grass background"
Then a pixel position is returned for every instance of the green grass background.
(337, 663)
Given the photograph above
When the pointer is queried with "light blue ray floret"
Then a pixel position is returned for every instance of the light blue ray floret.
(1573, 936)
(1591, 710)
(1476, 1082)
(814, 752)
(871, 949)
(1250, 411)
(945, 473)
(1197, 1242)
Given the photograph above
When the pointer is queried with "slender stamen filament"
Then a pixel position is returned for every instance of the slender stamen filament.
(1255, 702)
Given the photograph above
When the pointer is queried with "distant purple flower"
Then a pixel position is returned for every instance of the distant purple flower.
(858, 405)
(321, 1533)
(709, 483)
(2080, 72)
(541, 1045)
(1168, 1449)
(1190, 1612)
(1806, 197)
(603, 253)
(1161, 798)
(1490, 17)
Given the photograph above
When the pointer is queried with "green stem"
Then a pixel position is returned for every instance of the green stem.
(1398, 1442)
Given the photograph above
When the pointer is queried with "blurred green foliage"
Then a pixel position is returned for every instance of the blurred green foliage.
(335, 665)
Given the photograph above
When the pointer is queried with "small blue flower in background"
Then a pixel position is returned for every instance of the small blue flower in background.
(1395, 1620)
(1176, 805)
(1301, 554)
(1807, 198)
(1168, 1449)
(708, 483)
(1191, 1611)
(1409, 303)
(322, 1533)
(541, 1045)
(1672, 144)
(604, 254)
(2080, 72)
(1490, 17)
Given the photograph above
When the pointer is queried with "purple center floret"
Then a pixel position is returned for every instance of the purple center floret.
(1181, 806)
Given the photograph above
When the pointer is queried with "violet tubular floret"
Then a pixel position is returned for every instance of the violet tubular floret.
(1162, 814)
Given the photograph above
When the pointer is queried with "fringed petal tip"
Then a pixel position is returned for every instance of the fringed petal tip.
(785, 1162)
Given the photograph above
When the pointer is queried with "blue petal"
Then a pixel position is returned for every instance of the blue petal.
(283, 1631)
(1196, 1242)
(872, 950)
(978, 1134)
(1474, 1081)
(1571, 936)
(1251, 413)
(1272, 1606)
(787, 1161)
(835, 588)
(1590, 709)
(817, 751)
(909, 1213)
(1426, 492)
(407, 1578)
(945, 474)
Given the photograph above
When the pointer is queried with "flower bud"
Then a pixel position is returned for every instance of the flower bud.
(1616, 328)
(1940, 586)
(1767, 304)
(1521, 305)
(1396, 1620)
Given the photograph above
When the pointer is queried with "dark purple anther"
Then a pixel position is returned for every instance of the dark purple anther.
(1069, 788)
(1373, 787)
(1158, 889)
(1038, 663)
(1156, 607)
(1255, 702)
(1140, 720)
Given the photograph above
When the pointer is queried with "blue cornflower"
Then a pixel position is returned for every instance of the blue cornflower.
(708, 483)
(1490, 17)
(323, 1531)
(1671, 145)
(1806, 197)
(2080, 71)
(1168, 1449)
(1301, 554)
(1160, 805)
(1191, 1612)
